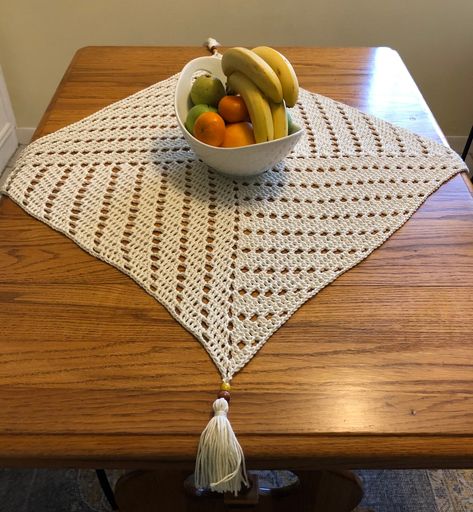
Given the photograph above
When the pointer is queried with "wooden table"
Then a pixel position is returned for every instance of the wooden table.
(375, 371)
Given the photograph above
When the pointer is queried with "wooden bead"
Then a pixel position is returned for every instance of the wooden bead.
(224, 394)
(225, 386)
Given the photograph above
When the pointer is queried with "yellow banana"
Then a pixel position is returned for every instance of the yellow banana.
(284, 70)
(255, 68)
(257, 105)
(278, 111)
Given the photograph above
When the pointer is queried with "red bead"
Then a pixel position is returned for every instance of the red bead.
(224, 394)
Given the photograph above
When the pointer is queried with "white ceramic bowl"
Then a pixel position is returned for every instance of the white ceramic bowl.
(244, 161)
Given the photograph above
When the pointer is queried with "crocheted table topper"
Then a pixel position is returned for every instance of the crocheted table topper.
(231, 259)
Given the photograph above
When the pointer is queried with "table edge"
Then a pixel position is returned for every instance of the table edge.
(153, 451)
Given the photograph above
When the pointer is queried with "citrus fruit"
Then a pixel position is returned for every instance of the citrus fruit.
(238, 134)
(233, 109)
(210, 128)
(194, 113)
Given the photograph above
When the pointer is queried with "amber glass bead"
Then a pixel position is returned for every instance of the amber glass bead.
(224, 394)
(225, 386)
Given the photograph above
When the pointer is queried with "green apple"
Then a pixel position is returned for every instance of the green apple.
(291, 126)
(194, 113)
(207, 90)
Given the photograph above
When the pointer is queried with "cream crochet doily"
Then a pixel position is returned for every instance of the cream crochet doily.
(231, 259)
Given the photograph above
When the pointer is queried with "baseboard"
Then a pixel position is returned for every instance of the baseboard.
(8, 144)
(25, 134)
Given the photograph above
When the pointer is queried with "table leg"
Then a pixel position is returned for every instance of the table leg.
(106, 488)
(163, 491)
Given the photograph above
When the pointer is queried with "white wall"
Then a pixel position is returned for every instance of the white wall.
(434, 37)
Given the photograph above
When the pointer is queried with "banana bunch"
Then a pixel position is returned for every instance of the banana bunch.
(266, 81)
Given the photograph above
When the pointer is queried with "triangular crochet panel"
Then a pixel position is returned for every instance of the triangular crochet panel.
(231, 259)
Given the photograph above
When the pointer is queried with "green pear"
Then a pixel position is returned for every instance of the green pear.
(207, 90)
(291, 126)
(194, 113)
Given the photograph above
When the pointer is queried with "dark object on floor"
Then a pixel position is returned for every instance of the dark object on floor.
(319, 491)
(467, 145)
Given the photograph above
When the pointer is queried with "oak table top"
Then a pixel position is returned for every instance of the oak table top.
(375, 371)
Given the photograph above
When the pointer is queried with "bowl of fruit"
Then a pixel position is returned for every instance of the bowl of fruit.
(233, 109)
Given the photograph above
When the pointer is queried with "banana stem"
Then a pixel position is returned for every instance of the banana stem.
(212, 46)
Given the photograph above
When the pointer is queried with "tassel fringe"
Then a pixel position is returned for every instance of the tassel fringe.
(220, 463)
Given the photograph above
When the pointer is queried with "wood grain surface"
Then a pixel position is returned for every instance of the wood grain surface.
(375, 371)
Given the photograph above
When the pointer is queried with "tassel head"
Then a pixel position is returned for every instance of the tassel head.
(220, 463)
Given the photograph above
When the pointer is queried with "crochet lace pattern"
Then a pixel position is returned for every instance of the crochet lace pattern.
(231, 259)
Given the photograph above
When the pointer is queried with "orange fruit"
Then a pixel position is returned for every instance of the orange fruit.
(233, 109)
(210, 128)
(238, 134)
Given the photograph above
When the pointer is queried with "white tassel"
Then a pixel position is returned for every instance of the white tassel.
(220, 462)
